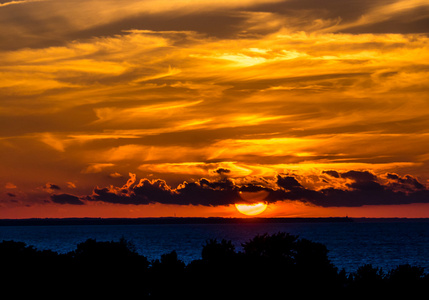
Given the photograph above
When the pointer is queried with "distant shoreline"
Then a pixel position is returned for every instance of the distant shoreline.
(190, 220)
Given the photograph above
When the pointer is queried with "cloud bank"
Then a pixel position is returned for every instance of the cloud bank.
(359, 188)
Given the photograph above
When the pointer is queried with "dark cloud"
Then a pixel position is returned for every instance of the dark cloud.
(222, 171)
(359, 176)
(209, 193)
(53, 186)
(406, 183)
(288, 182)
(253, 188)
(361, 188)
(365, 188)
(66, 199)
(11, 195)
(202, 192)
(363, 180)
(332, 173)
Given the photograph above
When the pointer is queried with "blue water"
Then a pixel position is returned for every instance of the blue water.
(382, 244)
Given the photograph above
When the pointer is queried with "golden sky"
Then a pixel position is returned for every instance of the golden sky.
(159, 108)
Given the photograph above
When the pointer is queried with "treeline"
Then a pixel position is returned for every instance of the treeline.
(277, 266)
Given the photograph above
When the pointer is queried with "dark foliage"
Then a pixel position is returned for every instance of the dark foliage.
(113, 268)
(279, 265)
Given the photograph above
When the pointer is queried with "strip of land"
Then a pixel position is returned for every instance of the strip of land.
(164, 220)
(189, 220)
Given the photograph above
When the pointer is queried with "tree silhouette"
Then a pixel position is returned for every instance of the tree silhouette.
(280, 247)
(406, 280)
(367, 280)
(284, 259)
(166, 276)
(217, 273)
(269, 267)
(109, 268)
(25, 266)
(218, 252)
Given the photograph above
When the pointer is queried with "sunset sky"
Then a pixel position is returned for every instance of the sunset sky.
(157, 108)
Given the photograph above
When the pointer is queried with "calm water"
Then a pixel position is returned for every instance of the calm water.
(350, 245)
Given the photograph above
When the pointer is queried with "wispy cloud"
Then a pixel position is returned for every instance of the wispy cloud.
(177, 89)
(19, 2)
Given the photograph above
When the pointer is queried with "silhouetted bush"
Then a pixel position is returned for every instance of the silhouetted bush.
(293, 263)
(218, 252)
(113, 268)
(26, 270)
(216, 272)
(278, 265)
(406, 278)
(166, 277)
(367, 280)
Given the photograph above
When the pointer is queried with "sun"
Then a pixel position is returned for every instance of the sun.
(251, 209)
(255, 203)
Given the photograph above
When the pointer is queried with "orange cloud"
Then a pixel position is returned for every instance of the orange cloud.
(180, 89)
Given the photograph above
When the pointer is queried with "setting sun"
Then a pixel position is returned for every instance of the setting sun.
(251, 209)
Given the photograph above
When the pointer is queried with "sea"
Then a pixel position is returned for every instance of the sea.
(383, 243)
